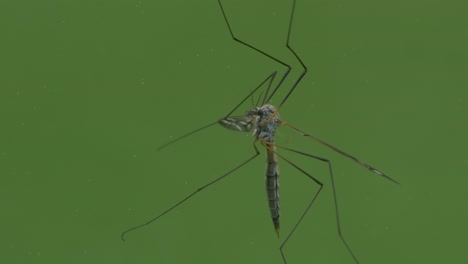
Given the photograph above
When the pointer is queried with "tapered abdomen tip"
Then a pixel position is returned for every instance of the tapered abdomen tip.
(277, 229)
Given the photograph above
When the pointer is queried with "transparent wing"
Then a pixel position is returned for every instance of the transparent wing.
(237, 123)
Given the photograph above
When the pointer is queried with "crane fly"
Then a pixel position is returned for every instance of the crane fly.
(263, 121)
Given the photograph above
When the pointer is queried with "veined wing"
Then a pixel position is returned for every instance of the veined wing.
(237, 123)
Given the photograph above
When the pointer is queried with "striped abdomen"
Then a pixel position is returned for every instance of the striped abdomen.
(272, 187)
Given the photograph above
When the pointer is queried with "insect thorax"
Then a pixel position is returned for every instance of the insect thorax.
(264, 123)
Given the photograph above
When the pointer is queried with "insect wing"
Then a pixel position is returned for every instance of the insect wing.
(237, 123)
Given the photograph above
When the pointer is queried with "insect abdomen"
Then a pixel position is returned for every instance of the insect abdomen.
(272, 188)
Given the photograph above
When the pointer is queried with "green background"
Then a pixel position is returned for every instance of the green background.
(90, 89)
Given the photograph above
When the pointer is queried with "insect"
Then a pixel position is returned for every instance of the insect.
(263, 120)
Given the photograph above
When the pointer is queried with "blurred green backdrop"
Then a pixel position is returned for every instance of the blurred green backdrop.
(90, 89)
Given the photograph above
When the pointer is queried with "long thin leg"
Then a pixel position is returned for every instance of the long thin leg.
(360, 162)
(261, 52)
(193, 193)
(270, 77)
(303, 73)
(335, 200)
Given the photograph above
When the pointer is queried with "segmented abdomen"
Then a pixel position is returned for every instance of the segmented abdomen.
(272, 187)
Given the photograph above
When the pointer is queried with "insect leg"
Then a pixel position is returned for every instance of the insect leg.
(335, 200)
(270, 78)
(318, 182)
(362, 163)
(304, 71)
(266, 98)
(192, 194)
